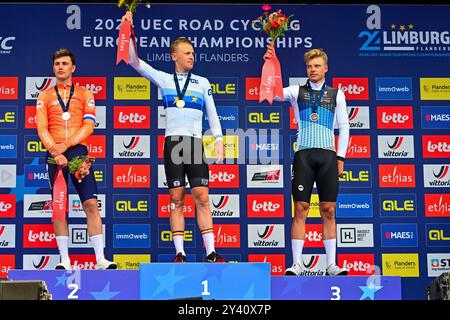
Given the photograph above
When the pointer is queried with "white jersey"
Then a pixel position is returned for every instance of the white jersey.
(185, 121)
(340, 117)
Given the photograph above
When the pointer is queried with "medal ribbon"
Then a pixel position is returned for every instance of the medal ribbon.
(61, 102)
(315, 102)
(177, 85)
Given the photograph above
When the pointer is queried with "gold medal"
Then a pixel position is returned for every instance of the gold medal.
(65, 116)
(181, 103)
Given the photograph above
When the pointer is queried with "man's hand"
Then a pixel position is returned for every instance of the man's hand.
(128, 16)
(340, 164)
(57, 149)
(61, 160)
(219, 150)
(270, 51)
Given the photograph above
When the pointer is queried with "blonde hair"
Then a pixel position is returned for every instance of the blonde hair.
(175, 43)
(316, 53)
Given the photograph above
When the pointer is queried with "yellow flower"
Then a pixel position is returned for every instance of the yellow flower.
(120, 3)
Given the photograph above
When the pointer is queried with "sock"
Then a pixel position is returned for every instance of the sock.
(178, 241)
(208, 238)
(97, 242)
(297, 248)
(330, 249)
(63, 246)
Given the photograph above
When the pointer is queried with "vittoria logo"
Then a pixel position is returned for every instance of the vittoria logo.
(436, 175)
(265, 236)
(224, 206)
(395, 146)
(36, 85)
(358, 117)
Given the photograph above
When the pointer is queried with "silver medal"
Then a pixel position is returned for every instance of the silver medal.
(65, 116)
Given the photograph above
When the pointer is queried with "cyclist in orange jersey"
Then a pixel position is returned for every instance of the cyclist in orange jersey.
(65, 117)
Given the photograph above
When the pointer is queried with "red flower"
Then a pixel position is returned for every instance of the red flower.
(78, 175)
(274, 24)
(266, 7)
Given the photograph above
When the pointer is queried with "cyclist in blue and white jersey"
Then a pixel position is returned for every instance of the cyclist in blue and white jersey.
(316, 108)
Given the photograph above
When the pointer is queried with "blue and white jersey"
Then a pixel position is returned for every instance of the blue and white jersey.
(186, 121)
(319, 134)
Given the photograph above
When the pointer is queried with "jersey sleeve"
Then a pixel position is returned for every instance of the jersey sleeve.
(145, 70)
(342, 124)
(210, 106)
(42, 122)
(88, 121)
(290, 94)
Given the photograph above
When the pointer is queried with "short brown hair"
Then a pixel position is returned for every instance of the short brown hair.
(63, 52)
(316, 53)
(176, 42)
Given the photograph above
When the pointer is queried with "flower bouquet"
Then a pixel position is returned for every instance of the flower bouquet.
(126, 31)
(275, 24)
(79, 166)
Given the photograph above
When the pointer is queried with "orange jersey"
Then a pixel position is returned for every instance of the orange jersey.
(50, 125)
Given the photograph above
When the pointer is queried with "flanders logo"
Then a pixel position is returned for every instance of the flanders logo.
(230, 147)
(435, 88)
(403, 265)
(131, 88)
(130, 261)
(314, 211)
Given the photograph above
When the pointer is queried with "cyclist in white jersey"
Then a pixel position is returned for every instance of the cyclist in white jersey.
(185, 95)
(316, 108)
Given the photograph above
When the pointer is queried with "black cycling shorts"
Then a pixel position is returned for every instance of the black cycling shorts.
(183, 155)
(317, 165)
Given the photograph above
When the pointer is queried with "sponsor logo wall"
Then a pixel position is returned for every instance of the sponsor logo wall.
(394, 196)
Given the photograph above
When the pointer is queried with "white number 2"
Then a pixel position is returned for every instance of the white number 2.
(75, 288)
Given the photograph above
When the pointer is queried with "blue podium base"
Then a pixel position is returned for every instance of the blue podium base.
(336, 288)
(235, 281)
(85, 284)
(220, 281)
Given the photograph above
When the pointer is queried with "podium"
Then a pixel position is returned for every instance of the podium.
(336, 288)
(224, 281)
(85, 284)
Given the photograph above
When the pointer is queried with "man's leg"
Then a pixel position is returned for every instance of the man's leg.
(177, 221)
(94, 225)
(301, 210)
(204, 217)
(327, 187)
(60, 228)
(327, 211)
(62, 239)
(302, 184)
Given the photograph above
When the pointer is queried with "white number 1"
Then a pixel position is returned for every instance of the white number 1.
(205, 288)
